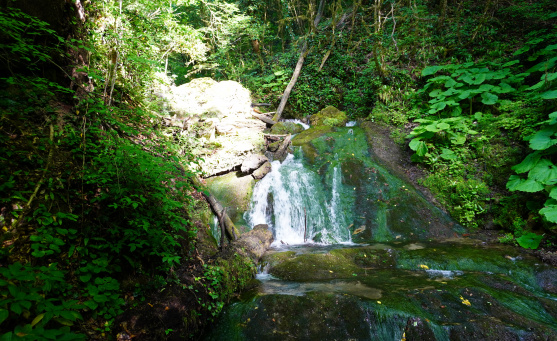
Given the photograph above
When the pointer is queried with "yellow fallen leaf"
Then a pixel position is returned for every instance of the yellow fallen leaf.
(465, 302)
(424, 266)
(379, 302)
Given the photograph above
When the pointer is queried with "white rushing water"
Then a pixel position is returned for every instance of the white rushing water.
(305, 125)
(293, 202)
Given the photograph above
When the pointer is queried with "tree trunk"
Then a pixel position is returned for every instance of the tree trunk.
(298, 69)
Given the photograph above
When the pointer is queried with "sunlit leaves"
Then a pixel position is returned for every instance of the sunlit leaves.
(550, 213)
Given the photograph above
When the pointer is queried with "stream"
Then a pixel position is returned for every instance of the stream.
(360, 254)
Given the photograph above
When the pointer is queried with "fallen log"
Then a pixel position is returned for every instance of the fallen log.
(264, 119)
(283, 149)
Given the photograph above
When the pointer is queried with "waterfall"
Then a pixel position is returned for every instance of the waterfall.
(293, 201)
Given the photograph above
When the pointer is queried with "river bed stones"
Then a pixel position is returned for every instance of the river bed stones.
(397, 291)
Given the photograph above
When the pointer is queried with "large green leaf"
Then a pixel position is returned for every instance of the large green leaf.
(3, 315)
(553, 193)
(550, 213)
(489, 99)
(450, 83)
(418, 146)
(486, 87)
(552, 118)
(543, 172)
(414, 144)
(467, 78)
(448, 154)
(503, 88)
(530, 240)
(516, 183)
(528, 163)
(552, 94)
(443, 126)
(479, 79)
(465, 94)
(458, 138)
(435, 93)
(430, 70)
(422, 149)
(542, 139)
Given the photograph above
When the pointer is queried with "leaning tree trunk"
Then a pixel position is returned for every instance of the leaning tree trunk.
(298, 69)
(227, 226)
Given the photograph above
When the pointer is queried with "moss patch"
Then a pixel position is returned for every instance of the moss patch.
(305, 138)
(283, 128)
(314, 267)
(329, 116)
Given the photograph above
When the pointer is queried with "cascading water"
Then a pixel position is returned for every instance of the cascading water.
(393, 281)
(298, 207)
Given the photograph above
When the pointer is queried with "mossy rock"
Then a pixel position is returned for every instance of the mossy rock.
(233, 191)
(305, 138)
(284, 128)
(329, 116)
(314, 267)
(273, 147)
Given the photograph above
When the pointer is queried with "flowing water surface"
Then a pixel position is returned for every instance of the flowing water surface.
(359, 254)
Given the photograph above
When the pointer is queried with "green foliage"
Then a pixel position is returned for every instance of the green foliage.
(508, 238)
(465, 199)
(448, 132)
(541, 172)
(465, 83)
(529, 240)
(93, 192)
(33, 306)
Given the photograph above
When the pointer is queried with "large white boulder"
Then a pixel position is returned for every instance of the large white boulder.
(218, 117)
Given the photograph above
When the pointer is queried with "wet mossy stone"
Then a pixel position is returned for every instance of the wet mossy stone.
(310, 134)
(314, 267)
(233, 191)
(260, 172)
(329, 116)
(305, 138)
(273, 147)
(285, 128)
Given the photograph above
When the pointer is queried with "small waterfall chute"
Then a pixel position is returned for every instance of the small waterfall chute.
(293, 201)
